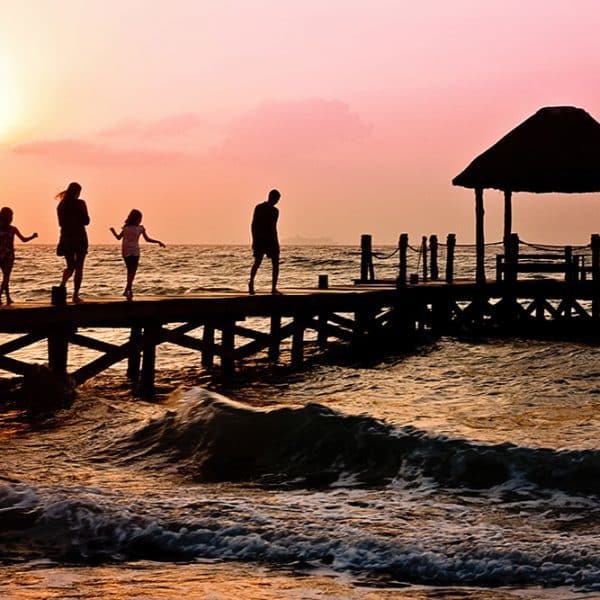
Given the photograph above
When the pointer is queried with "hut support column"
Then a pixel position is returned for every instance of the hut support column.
(507, 220)
(479, 236)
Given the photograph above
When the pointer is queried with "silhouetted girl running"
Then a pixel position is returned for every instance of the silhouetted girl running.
(130, 234)
(7, 249)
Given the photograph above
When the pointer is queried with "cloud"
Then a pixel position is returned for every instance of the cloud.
(87, 153)
(294, 129)
(172, 126)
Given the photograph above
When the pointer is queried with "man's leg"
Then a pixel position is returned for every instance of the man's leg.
(257, 261)
(275, 264)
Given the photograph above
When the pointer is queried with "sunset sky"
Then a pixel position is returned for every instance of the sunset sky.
(360, 112)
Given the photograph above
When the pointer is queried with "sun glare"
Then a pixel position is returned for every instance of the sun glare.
(9, 104)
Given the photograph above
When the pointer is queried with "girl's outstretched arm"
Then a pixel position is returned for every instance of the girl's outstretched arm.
(117, 235)
(25, 238)
(149, 239)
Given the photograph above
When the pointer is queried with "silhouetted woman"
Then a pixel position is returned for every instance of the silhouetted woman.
(73, 242)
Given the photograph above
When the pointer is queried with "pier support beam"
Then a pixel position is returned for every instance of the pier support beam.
(150, 339)
(275, 342)
(298, 340)
(134, 357)
(208, 337)
(58, 350)
(227, 349)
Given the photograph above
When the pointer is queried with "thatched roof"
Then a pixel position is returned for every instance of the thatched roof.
(555, 150)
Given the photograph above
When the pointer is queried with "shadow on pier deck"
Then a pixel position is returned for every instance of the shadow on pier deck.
(365, 317)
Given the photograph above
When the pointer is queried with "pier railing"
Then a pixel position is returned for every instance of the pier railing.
(424, 261)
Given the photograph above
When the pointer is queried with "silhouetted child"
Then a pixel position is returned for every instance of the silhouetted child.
(7, 249)
(130, 234)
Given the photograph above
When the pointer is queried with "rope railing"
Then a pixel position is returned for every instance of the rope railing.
(378, 255)
(422, 261)
(550, 247)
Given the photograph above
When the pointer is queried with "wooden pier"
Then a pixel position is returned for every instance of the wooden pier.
(363, 316)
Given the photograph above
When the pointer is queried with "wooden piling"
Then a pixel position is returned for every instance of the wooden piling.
(433, 253)
(275, 341)
(595, 244)
(298, 340)
(402, 264)
(322, 331)
(58, 350)
(512, 259)
(228, 348)
(570, 271)
(479, 237)
(134, 353)
(424, 257)
(367, 272)
(208, 337)
(150, 339)
(450, 245)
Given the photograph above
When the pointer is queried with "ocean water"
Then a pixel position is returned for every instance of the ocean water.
(467, 468)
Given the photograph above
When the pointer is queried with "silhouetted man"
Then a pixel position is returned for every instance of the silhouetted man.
(264, 238)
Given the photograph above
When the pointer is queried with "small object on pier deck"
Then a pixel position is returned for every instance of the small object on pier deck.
(414, 278)
(323, 282)
(58, 295)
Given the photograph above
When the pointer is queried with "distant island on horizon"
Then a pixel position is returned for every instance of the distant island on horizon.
(298, 240)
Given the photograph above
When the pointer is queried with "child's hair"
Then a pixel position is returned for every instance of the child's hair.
(71, 193)
(6, 217)
(133, 218)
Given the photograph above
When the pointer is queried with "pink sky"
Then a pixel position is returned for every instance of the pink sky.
(361, 113)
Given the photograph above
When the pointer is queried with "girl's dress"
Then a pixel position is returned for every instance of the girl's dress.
(7, 245)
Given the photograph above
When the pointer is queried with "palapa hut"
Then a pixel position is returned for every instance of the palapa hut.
(555, 150)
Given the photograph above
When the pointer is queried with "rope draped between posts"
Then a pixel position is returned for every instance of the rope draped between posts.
(551, 247)
(488, 244)
(379, 256)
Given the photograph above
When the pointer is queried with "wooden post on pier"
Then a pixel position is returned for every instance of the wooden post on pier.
(208, 337)
(424, 256)
(402, 264)
(275, 342)
(433, 250)
(134, 355)
(150, 339)
(450, 244)
(367, 272)
(595, 244)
